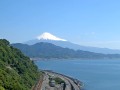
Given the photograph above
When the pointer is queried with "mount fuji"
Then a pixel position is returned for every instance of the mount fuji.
(49, 38)
(45, 37)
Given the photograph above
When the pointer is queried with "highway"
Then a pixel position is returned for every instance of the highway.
(43, 83)
(70, 84)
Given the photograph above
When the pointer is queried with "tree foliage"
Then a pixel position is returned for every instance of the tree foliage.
(17, 72)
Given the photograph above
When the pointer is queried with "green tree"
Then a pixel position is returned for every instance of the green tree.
(17, 72)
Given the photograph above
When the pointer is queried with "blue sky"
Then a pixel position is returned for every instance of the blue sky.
(85, 22)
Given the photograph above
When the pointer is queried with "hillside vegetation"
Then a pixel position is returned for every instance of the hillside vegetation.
(17, 72)
(48, 50)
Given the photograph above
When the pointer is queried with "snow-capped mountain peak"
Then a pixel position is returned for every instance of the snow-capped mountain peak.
(48, 36)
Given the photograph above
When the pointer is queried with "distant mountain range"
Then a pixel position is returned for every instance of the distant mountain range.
(48, 50)
(47, 37)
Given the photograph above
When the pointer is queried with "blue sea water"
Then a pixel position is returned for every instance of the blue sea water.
(95, 74)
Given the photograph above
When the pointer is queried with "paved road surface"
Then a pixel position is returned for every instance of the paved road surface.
(45, 84)
(70, 85)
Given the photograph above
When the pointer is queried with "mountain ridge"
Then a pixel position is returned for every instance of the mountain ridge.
(48, 50)
(66, 44)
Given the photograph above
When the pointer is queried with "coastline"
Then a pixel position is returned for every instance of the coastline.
(49, 59)
(72, 83)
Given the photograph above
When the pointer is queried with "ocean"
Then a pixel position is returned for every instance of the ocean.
(95, 74)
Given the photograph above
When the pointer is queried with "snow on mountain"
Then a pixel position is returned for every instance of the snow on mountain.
(48, 36)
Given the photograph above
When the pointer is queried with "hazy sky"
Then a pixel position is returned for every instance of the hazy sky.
(86, 22)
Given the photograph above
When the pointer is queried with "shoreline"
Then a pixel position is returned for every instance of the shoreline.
(63, 59)
(75, 84)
